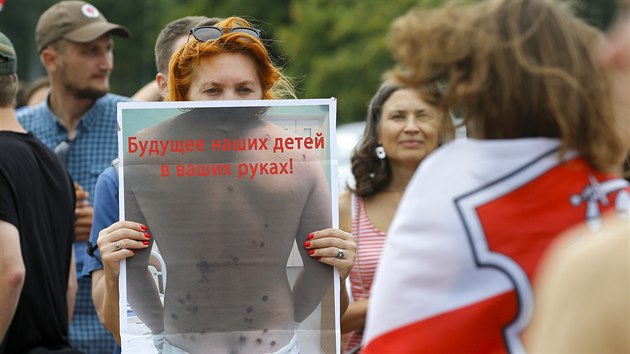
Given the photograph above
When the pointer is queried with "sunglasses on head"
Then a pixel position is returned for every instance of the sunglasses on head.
(210, 33)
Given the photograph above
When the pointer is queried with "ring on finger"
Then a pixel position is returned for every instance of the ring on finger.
(117, 244)
(340, 254)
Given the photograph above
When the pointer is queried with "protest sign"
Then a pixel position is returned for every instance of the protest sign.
(230, 191)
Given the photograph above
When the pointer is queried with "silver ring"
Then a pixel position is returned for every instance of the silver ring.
(339, 254)
(117, 244)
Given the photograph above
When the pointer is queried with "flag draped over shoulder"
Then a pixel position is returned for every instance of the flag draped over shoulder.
(463, 250)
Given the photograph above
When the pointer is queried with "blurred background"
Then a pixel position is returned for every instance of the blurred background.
(332, 48)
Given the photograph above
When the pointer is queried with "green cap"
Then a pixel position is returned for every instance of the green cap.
(76, 21)
(8, 64)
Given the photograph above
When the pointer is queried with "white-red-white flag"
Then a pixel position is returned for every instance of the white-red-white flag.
(463, 251)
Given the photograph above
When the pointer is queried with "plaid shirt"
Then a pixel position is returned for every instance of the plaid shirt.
(92, 150)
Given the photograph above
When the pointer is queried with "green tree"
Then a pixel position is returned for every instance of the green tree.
(333, 48)
(598, 13)
(18, 20)
(340, 49)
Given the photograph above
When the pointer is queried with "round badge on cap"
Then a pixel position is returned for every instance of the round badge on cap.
(89, 11)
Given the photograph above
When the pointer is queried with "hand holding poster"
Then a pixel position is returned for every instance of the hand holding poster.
(230, 192)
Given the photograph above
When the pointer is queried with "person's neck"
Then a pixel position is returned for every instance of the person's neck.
(8, 120)
(401, 175)
(68, 109)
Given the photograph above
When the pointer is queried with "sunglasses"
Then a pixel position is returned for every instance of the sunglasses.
(210, 33)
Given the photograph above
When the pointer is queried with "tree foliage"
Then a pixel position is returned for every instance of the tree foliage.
(333, 48)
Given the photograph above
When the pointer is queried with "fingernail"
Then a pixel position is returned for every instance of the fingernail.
(144, 228)
(307, 243)
(318, 258)
(311, 252)
(310, 236)
(145, 242)
(134, 252)
(147, 235)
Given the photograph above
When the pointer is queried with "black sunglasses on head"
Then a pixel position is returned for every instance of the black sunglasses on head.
(210, 33)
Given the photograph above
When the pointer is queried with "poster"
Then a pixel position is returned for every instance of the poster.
(230, 191)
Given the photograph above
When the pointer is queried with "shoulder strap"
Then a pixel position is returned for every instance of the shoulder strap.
(352, 213)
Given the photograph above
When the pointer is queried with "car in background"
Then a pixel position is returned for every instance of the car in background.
(348, 136)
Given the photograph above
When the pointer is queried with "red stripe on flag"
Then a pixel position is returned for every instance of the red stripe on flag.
(472, 329)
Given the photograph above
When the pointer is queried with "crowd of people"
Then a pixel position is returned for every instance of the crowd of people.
(512, 239)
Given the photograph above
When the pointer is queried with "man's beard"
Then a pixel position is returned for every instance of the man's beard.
(84, 93)
(79, 92)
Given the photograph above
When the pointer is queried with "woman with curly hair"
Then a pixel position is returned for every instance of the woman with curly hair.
(402, 129)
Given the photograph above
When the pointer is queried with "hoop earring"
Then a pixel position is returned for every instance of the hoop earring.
(380, 152)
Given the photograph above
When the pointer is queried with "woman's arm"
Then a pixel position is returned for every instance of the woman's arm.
(354, 316)
(129, 236)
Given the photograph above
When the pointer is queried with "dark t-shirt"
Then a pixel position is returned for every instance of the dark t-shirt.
(36, 195)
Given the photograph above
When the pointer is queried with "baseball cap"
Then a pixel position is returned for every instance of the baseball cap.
(7, 52)
(77, 21)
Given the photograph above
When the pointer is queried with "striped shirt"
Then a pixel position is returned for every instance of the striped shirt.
(370, 243)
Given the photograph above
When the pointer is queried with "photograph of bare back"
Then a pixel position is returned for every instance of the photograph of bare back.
(230, 196)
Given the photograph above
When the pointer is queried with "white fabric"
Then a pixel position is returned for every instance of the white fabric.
(439, 263)
(291, 348)
(158, 341)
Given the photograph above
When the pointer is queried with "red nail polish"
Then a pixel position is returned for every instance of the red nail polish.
(307, 243)
(134, 252)
(144, 228)
(310, 236)
(318, 258)
(147, 235)
(145, 242)
(311, 252)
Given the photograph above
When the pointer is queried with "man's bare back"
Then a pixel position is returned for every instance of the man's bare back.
(226, 239)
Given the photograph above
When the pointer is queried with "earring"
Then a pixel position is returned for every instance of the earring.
(380, 152)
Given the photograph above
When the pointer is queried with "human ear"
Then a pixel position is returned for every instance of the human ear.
(162, 82)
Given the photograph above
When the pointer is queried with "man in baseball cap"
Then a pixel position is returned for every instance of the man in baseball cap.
(78, 122)
(76, 21)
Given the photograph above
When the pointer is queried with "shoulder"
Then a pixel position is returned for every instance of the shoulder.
(107, 105)
(14, 147)
(31, 110)
(111, 97)
(8, 146)
(481, 160)
(8, 139)
(30, 117)
(106, 186)
(109, 176)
